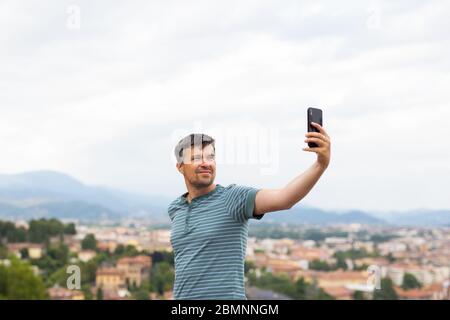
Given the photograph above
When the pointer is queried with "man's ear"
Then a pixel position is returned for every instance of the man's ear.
(180, 167)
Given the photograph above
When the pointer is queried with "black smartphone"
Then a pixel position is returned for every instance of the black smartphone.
(314, 115)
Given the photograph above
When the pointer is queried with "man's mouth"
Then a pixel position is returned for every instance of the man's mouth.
(205, 171)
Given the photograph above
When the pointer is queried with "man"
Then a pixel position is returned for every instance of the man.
(209, 223)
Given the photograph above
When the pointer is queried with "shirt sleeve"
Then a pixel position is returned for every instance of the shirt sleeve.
(240, 202)
(171, 209)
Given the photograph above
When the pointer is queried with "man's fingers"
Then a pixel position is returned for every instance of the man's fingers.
(318, 141)
(320, 128)
(317, 135)
(311, 149)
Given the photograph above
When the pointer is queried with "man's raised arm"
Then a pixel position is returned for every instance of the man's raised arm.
(268, 200)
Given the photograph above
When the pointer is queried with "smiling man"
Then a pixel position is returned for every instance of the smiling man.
(209, 223)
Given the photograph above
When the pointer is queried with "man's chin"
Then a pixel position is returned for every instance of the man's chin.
(203, 184)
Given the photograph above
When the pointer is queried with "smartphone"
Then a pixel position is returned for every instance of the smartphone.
(314, 115)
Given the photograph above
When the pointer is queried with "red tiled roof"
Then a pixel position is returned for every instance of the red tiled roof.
(109, 271)
(145, 260)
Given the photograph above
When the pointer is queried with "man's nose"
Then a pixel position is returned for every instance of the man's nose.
(205, 164)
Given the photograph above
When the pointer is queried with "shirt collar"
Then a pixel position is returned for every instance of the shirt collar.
(183, 197)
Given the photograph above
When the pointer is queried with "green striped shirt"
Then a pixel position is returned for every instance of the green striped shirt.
(209, 240)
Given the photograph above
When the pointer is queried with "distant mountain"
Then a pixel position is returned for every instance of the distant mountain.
(421, 217)
(50, 193)
(308, 215)
(55, 186)
(73, 209)
(62, 210)
(10, 210)
(356, 216)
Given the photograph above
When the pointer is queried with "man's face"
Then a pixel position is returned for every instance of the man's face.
(199, 166)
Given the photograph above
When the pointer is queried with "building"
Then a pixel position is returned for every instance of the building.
(157, 240)
(107, 246)
(35, 250)
(67, 239)
(435, 291)
(336, 281)
(58, 293)
(426, 275)
(340, 293)
(254, 293)
(75, 247)
(110, 279)
(310, 254)
(135, 269)
(167, 295)
(86, 255)
(289, 267)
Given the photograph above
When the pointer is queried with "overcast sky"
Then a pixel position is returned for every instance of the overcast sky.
(103, 92)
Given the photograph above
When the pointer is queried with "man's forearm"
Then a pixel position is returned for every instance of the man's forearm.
(269, 200)
(298, 188)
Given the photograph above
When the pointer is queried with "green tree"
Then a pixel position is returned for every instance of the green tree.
(300, 289)
(141, 294)
(47, 265)
(390, 257)
(354, 254)
(387, 291)
(340, 263)
(88, 270)
(86, 289)
(120, 250)
(379, 238)
(410, 282)
(358, 295)
(162, 277)
(10, 233)
(126, 251)
(57, 256)
(99, 295)
(58, 277)
(248, 265)
(3, 251)
(59, 252)
(89, 242)
(18, 282)
(40, 231)
(320, 265)
(24, 253)
(70, 229)
(160, 256)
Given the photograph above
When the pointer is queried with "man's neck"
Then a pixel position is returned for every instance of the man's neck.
(195, 192)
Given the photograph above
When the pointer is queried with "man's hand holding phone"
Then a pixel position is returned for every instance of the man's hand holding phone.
(322, 139)
(317, 138)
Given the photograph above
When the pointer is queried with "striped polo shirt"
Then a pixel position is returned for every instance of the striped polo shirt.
(209, 240)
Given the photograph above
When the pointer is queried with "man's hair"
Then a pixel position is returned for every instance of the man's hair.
(194, 139)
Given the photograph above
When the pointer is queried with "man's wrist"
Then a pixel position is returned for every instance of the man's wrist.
(322, 165)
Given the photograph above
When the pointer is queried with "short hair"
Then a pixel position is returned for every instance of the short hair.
(194, 139)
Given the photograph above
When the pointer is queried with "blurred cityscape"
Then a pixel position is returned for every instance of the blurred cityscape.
(133, 260)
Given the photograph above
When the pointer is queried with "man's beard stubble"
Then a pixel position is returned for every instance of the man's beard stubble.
(198, 184)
